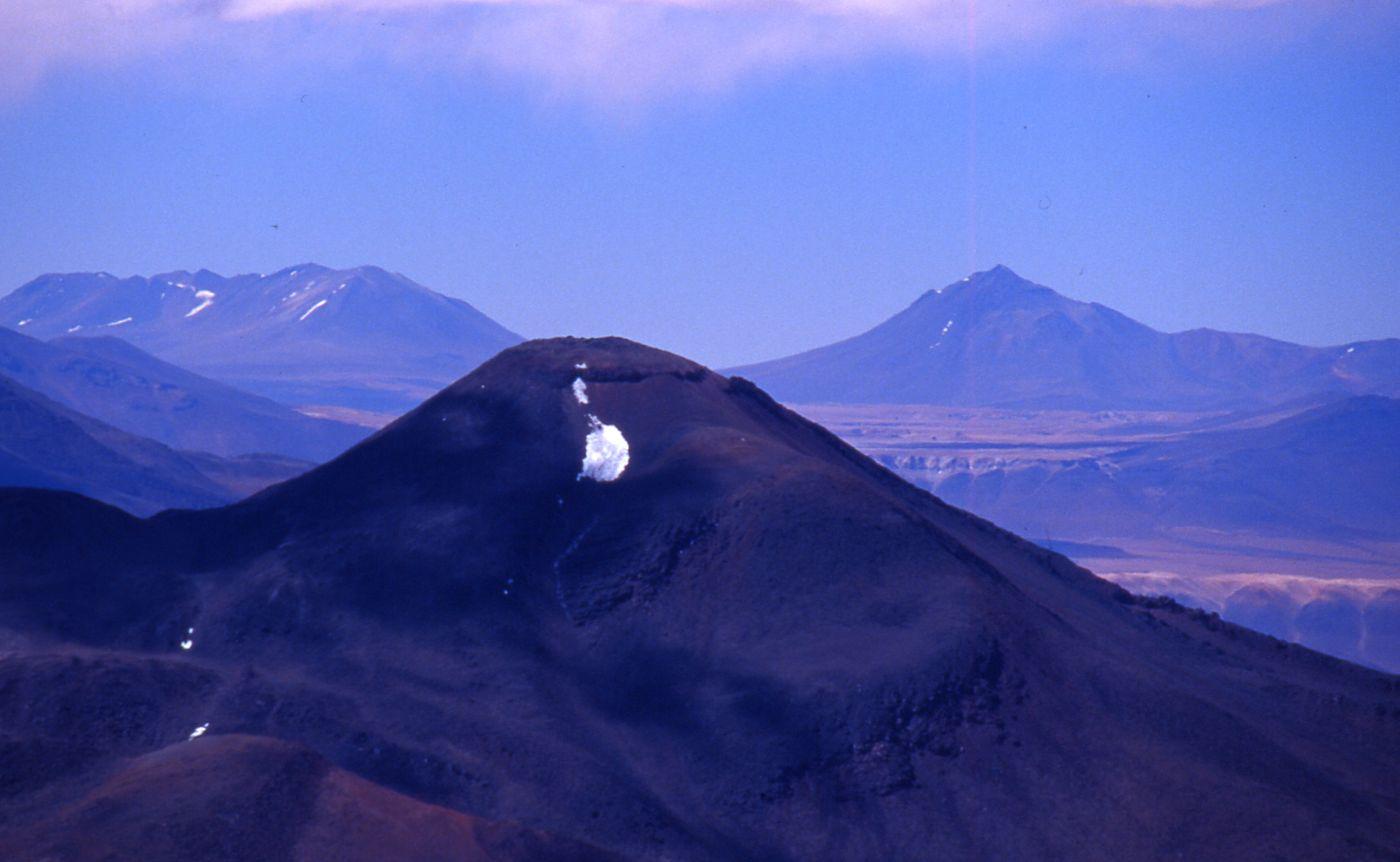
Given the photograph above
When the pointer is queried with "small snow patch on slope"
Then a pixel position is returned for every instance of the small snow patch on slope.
(580, 390)
(206, 299)
(118, 322)
(947, 326)
(199, 731)
(605, 452)
(311, 309)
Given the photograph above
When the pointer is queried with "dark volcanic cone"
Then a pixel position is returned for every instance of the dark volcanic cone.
(751, 643)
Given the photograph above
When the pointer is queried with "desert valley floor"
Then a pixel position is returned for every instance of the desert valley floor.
(1055, 477)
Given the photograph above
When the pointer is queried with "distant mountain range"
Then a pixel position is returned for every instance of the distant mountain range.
(360, 338)
(995, 339)
(741, 641)
(46, 445)
(112, 381)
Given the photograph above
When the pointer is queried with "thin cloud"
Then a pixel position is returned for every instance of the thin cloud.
(611, 51)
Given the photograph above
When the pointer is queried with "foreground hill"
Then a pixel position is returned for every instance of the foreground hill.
(45, 445)
(600, 591)
(110, 380)
(360, 338)
(272, 800)
(995, 339)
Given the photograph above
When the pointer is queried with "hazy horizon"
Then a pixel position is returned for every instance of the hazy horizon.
(812, 166)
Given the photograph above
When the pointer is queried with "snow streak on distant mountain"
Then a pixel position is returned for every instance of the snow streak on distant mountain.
(995, 339)
(360, 338)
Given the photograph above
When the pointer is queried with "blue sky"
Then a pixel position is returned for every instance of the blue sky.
(731, 181)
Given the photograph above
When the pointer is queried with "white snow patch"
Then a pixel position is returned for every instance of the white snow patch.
(75, 328)
(26, 321)
(605, 452)
(199, 731)
(947, 326)
(580, 390)
(118, 322)
(188, 643)
(206, 299)
(311, 309)
(1349, 349)
(581, 366)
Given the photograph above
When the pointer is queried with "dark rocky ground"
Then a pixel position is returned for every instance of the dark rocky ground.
(755, 644)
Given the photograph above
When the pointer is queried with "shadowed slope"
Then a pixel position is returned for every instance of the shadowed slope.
(45, 445)
(114, 382)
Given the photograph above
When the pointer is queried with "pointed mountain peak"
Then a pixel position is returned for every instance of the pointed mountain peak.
(988, 290)
(1001, 270)
(998, 277)
(994, 288)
